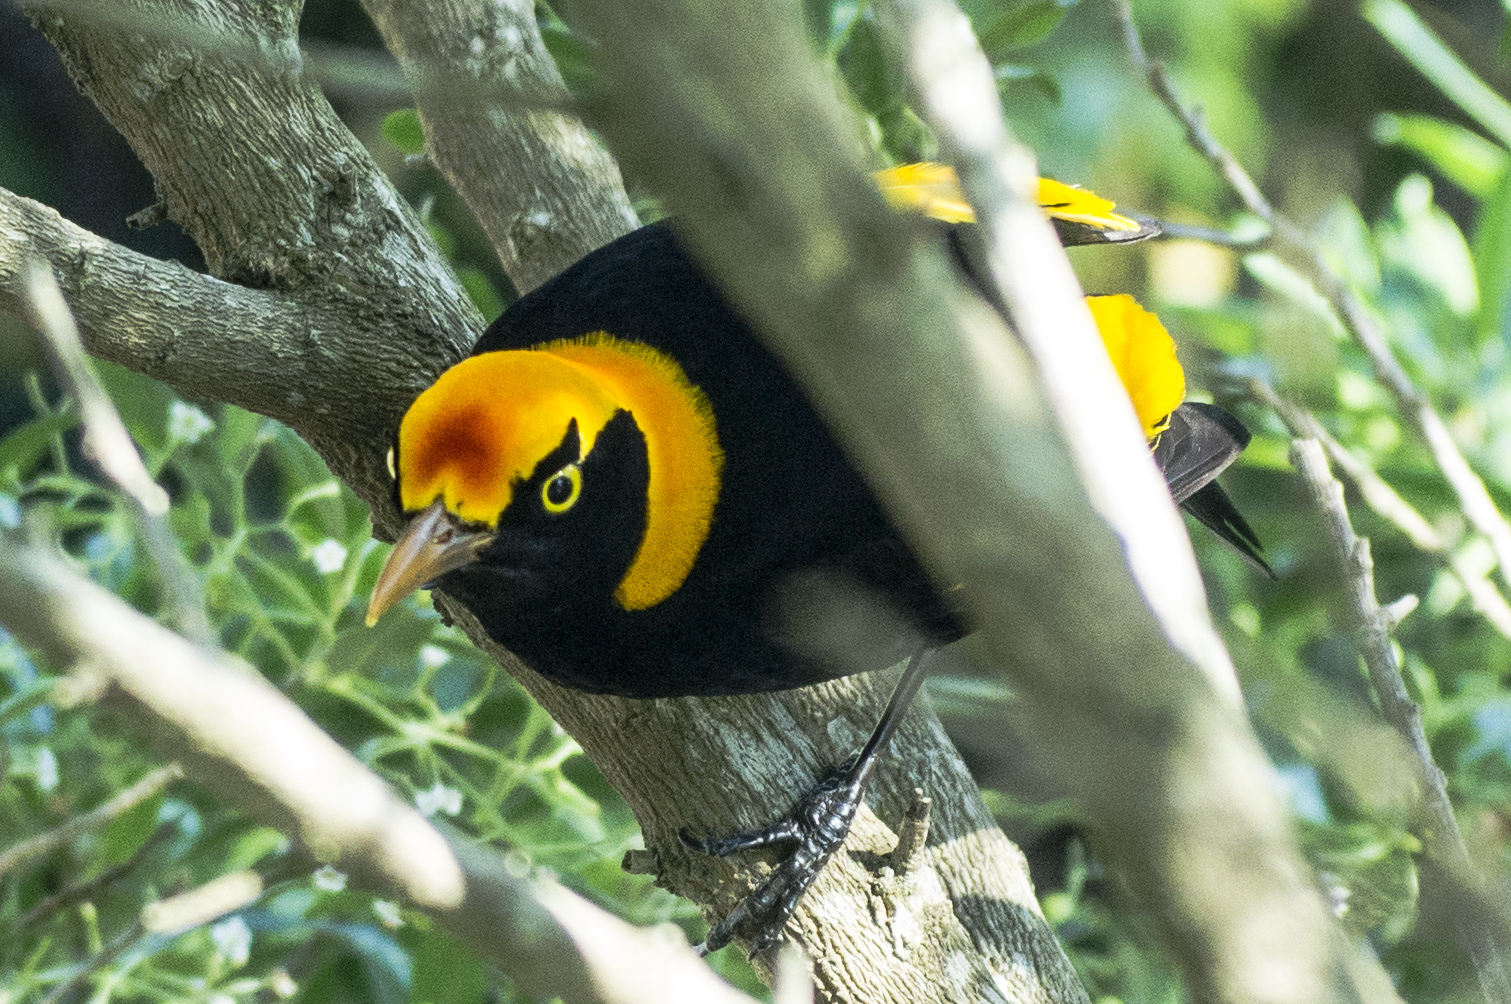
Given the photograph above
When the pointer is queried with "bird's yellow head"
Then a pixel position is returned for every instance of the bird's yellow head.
(510, 449)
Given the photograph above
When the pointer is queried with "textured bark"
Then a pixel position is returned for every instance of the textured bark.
(353, 312)
(475, 67)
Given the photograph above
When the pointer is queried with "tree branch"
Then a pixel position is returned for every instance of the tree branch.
(1389, 505)
(545, 192)
(1358, 321)
(1371, 626)
(363, 316)
(217, 715)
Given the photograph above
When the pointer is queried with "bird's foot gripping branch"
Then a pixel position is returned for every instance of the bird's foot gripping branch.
(817, 825)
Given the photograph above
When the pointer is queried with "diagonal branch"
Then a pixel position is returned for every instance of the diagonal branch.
(1371, 626)
(216, 715)
(467, 60)
(1384, 500)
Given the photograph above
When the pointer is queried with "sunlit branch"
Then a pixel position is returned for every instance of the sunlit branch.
(108, 442)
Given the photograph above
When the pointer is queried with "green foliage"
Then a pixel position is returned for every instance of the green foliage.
(285, 558)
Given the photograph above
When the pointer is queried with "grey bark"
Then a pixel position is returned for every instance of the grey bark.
(335, 312)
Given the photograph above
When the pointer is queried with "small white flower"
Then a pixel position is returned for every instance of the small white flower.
(329, 556)
(434, 656)
(438, 798)
(388, 912)
(187, 423)
(233, 939)
(221, 999)
(328, 879)
(46, 772)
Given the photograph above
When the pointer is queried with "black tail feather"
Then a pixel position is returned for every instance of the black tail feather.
(1212, 507)
(1200, 443)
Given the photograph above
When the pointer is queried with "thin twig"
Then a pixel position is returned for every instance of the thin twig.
(1391, 507)
(1413, 403)
(106, 439)
(1370, 625)
(86, 890)
(98, 961)
(45, 843)
(1211, 235)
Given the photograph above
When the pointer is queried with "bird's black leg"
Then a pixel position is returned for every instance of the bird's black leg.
(818, 826)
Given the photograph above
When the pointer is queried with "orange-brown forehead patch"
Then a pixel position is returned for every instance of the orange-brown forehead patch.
(486, 423)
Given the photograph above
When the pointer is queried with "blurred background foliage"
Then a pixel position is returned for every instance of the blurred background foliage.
(1355, 122)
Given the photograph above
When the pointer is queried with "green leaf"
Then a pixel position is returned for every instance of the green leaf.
(1423, 49)
(252, 846)
(573, 58)
(1012, 74)
(1349, 247)
(25, 444)
(877, 83)
(1492, 261)
(1285, 281)
(443, 971)
(1023, 25)
(129, 831)
(481, 290)
(1424, 240)
(402, 128)
(1465, 158)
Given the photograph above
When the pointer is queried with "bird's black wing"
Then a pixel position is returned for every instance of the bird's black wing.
(1200, 443)
(1073, 233)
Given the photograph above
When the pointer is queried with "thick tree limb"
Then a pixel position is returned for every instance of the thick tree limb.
(467, 60)
(945, 415)
(239, 735)
(364, 336)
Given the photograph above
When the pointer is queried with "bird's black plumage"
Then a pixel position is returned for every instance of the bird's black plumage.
(790, 502)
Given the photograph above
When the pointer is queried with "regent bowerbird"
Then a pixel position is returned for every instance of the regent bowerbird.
(620, 481)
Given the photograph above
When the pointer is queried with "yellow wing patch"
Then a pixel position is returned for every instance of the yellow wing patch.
(934, 190)
(1077, 205)
(930, 189)
(1143, 354)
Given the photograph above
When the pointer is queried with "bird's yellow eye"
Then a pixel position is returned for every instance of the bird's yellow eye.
(561, 490)
(393, 471)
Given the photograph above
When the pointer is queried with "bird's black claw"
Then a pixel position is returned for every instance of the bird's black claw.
(818, 826)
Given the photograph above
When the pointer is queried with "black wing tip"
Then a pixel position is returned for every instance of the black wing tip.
(1215, 510)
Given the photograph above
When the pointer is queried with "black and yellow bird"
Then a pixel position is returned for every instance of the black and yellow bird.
(620, 481)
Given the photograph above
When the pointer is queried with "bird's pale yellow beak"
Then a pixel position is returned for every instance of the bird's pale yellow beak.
(434, 543)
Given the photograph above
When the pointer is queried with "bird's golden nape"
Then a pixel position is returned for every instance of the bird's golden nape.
(1143, 353)
(471, 448)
